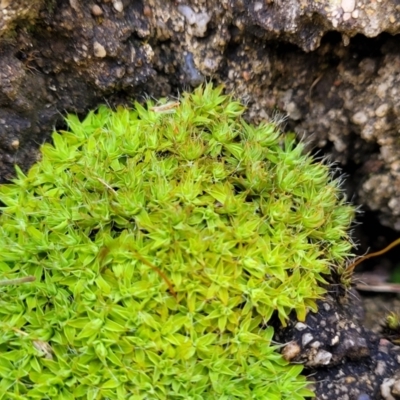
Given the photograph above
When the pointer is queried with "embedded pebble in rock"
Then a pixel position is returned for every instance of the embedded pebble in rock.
(97, 11)
(396, 389)
(4, 3)
(99, 50)
(293, 111)
(300, 326)
(346, 17)
(323, 357)
(198, 21)
(382, 110)
(360, 118)
(335, 340)
(118, 6)
(380, 368)
(348, 6)
(326, 306)
(315, 345)
(307, 338)
(386, 389)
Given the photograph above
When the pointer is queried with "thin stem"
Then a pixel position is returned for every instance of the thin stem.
(350, 268)
(17, 281)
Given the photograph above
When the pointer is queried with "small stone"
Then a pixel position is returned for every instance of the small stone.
(97, 11)
(147, 11)
(382, 110)
(4, 3)
(290, 351)
(99, 50)
(258, 6)
(326, 306)
(306, 338)
(335, 340)
(392, 18)
(300, 326)
(348, 6)
(293, 111)
(15, 144)
(323, 357)
(385, 388)
(396, 388)
(360, 118)
(346, 16)
(118, 6)
(355, 14)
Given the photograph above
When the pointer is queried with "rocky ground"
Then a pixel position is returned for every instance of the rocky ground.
(331, 66)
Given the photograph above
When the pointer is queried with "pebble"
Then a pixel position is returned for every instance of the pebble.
(300, 326)
(335, 340)
(290, 351)
(348, 6)
(355, 14)
(4, 3)
(326, 306)
(147, 11)
(396, 388)
(99, 50)
(315, 345)
(97, 11)
(360, 118)
(346, 16)
(293, 111)
(382, 110)
(306, 338)
(323, 357)
(118, 6)
(385, 389)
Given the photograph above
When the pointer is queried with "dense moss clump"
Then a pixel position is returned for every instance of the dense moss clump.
(158, 243)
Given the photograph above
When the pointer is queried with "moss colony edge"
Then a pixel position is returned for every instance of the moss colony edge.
(162, 241)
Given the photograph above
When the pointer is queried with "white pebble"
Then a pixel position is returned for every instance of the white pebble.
(348, 6)
(118, 6)
(346, 16)
(300, 326)
(360, 118)
(306, 338)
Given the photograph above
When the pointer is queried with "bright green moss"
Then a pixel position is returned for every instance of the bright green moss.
(162, 244)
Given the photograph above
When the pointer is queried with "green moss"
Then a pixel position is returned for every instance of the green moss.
(162, 242)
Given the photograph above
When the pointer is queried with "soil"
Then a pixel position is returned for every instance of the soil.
(346, 352)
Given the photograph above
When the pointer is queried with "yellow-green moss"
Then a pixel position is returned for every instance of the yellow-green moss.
(162, 240)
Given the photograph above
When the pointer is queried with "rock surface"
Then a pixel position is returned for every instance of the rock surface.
(330, 66)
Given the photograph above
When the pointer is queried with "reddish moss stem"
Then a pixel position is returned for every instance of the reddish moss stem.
(350, 268)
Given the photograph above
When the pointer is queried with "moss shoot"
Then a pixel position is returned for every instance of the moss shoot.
(154, 245)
